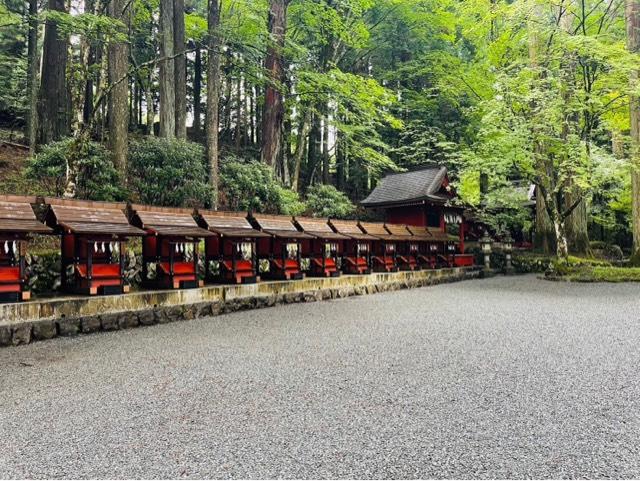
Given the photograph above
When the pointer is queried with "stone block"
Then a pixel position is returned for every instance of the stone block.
(90, 324)
(45, 329)
(216, 308)
(128, 320)
(174, 313)
(312, 296)
(5, 336)
(109, 322)
(293, 297)
(21, 334)
(189, 313)
(68, 326)
(147, 317)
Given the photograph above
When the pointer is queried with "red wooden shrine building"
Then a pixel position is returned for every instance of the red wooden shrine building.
(283, 247)
(232, 248)
(356, 250)
(171, 244)
(422, 198)
(94, 236)
(17, 223)
(324, 250)
(384, 247)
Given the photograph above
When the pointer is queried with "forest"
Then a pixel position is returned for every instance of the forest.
(295, 106)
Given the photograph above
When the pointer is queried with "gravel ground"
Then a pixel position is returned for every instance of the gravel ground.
(507, 377)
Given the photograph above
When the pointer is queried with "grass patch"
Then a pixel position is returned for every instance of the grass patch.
(603, 274)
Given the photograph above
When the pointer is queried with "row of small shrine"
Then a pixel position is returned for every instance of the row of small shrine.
(94, 237)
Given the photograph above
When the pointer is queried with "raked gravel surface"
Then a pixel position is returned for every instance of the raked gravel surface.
(500, 378)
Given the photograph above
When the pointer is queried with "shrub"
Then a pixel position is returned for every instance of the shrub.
(248, 186)
(168, 172)
(97, 177)
(252, 186)
(290, 203)
(327, 201)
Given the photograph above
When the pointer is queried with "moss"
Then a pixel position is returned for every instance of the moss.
(635, 259)
(586, 273)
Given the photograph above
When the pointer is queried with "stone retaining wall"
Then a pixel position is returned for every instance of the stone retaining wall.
(68, 316)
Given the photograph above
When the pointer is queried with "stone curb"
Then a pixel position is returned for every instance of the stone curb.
(43, 329)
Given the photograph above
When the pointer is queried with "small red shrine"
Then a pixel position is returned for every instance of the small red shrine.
(407, 252)
(17, 223)
(283, 247)
(171, 244)
(233, 247)
(384, 248)
(324, 250)
(356, 247)
(94, 236)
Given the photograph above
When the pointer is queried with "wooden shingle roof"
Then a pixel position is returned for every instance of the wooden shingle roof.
(409, 187)
(278, 226)
(167, 221)
(351, 229)
(318, 228)
(89, 217)
(378, 230)
(229, 224)
(17, 216)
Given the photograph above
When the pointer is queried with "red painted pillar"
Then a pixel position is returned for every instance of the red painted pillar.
(443, 226)
(462, 229)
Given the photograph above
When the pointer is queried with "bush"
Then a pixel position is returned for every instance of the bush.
(327, 201)
(252, 186)
(290, 203)
(168, 172)
(97, 177)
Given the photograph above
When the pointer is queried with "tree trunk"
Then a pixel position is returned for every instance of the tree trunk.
(303, 132)
(148, 100)
(576, 225)
(167, 71)
(197, 93)
(252, 115)
(239, 113)
(32, 77)
(213, 91)
(632, 15)
(341, 159)
(325, 146)
(180, 69)
(273, 116)
(314, 159)
(90, 60)
(54, 106)
(118, 58)
(258, 104)
(562, 249)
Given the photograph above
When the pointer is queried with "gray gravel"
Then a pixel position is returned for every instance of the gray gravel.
(507, 377)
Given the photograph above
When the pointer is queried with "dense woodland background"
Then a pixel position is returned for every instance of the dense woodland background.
(302, 105)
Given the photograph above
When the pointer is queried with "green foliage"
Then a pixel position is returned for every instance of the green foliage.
(168, 172)
(252, 186)
(97, 177)
(327, 201)
(289, 202)
(600, 274)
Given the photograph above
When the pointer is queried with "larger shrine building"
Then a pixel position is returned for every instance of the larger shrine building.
(422, 197)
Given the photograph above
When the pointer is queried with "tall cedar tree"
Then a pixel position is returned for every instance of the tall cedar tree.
(55, 103)
(180, 69)
(213, 94)
(167, 71)
(632, 11)
(118, 58)
(273, 116)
